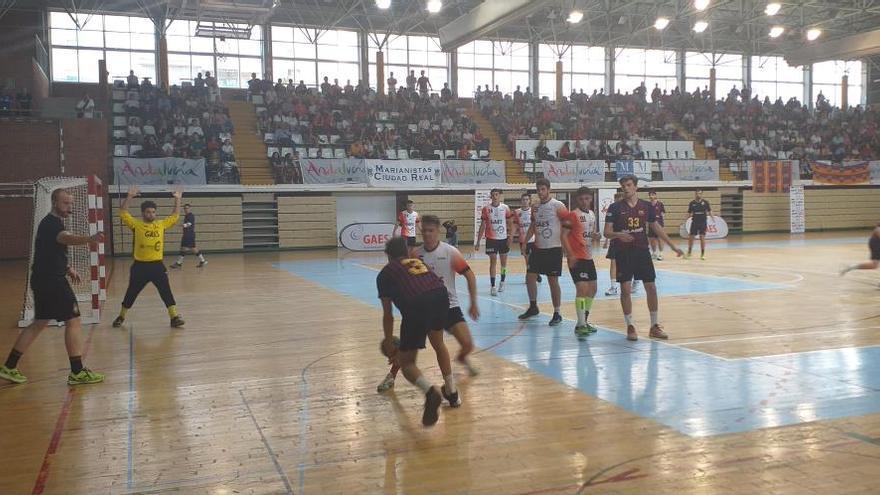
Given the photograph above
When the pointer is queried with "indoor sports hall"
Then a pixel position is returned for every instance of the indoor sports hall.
(220, 222)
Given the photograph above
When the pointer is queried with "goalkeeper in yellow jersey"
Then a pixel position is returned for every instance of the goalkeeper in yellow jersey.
(148, 250)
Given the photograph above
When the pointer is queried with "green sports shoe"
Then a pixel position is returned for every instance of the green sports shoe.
(582, 330)
(591, 328)
(84, 377)
(13, 375)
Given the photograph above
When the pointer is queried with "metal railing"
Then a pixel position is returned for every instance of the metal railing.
(41, 55)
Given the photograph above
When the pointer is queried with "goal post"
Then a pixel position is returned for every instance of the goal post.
(87, 218)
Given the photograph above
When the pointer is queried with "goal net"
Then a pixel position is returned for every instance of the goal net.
(87, 218)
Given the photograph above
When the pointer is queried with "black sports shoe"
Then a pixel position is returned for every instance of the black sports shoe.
(432, 407)
(118, 322)
(532, 311)
(177, 322)
(453, 398)
(539, 278)
(556, 320)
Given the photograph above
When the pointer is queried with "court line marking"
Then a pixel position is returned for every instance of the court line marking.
(268, 447)
(774, 336)
(43, 473)
(130, 476)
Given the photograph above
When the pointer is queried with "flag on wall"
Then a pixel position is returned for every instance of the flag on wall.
(843, 174)
(771, 176)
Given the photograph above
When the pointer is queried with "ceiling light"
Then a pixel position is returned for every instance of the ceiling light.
(661, 23)
(575, 16)
(701, 4)
(383, 4)
(776, 31)
(772, 8)
(434, 6)
(814, 33)
(700, 26)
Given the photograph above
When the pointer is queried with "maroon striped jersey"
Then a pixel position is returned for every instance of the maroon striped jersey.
(404, 280)
(633, 220)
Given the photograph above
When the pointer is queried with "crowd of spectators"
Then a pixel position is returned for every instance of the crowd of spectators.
(187, 122)
(15, 103)
(362, 123)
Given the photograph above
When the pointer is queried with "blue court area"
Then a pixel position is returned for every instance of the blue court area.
(695, 393)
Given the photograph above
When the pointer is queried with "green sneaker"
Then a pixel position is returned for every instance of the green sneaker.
(582, 330)
(84, 377)
(591, 328)
(13, 375)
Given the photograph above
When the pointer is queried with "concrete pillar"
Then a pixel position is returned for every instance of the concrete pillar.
(364, 57)
(865, 78)
(712, 83)
(680, 69)
(609, 70)
(267, 53)
(162, 67)
(534, 68)
(380, 72)
(844, 91)
(808, 86)
(558, 81)
(747, 72)
(452, 71)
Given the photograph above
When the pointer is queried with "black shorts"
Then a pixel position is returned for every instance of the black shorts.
(874, 244)
(583, 271)
(53, 298)
(698, 228)
(497, 246)
(188, 241)
(651, 231)
(530, 246)
(411, 241)
(426, 313)
(612, 251)
(635, 264)
(546, 261)
(453, 317)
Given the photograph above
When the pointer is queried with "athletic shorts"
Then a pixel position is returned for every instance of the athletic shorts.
(635, 264)
(411, 241)
(583, 271)
(453, 317)
(546, 261)
(188, 241)
(530, 246)
(698, 228)
(651, 231)
(612, 251)
(53, 298)
(874, 244)
(497, 246)
(426, 313)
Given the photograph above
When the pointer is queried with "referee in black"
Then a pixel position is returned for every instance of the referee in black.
(53, 297)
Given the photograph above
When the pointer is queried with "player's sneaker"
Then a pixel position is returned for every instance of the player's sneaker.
(494, 291)
(703, 257)
(612, 291)
(532, 311)
(687, 256)
(85, 377)
(540, 279)
(657, 333)
(202, 263)
(118, 322)
(556, 320)
(12, 374)
(631, 333)
(431, 414)
(501, 286)
(582, 330)
(471, 369)
(177, 322)
(175, 265)
(637, 284)
(659, 256)
(387, 384)
(453, 398)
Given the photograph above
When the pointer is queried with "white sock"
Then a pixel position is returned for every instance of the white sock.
(201, 258)
(555, 309)
(423, 383)
(449, 380)
(180, 260)
(628, 319)
(655, 319)
(582, 317)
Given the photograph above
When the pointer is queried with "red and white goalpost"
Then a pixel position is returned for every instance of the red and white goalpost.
(88, 261)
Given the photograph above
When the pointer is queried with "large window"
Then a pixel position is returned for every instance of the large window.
(774, 78)
(497, 63)
(231, 60)
(307, 55)
(728, 72)
(126, 43)
(583, 68)
(828, 78)
(653, 67)
(410, 53)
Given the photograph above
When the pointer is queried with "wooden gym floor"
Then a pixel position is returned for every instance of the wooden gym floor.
(770, 383)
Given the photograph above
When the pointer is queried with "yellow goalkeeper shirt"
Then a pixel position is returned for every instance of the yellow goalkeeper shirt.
(149, 238)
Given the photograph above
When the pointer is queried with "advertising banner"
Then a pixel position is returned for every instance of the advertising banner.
(716, 228)
(403, 174)
(688, 170)
(639, 168)
(159, 171)
(333, 171)
(574, 171)
(365, 236)
(473, 172)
